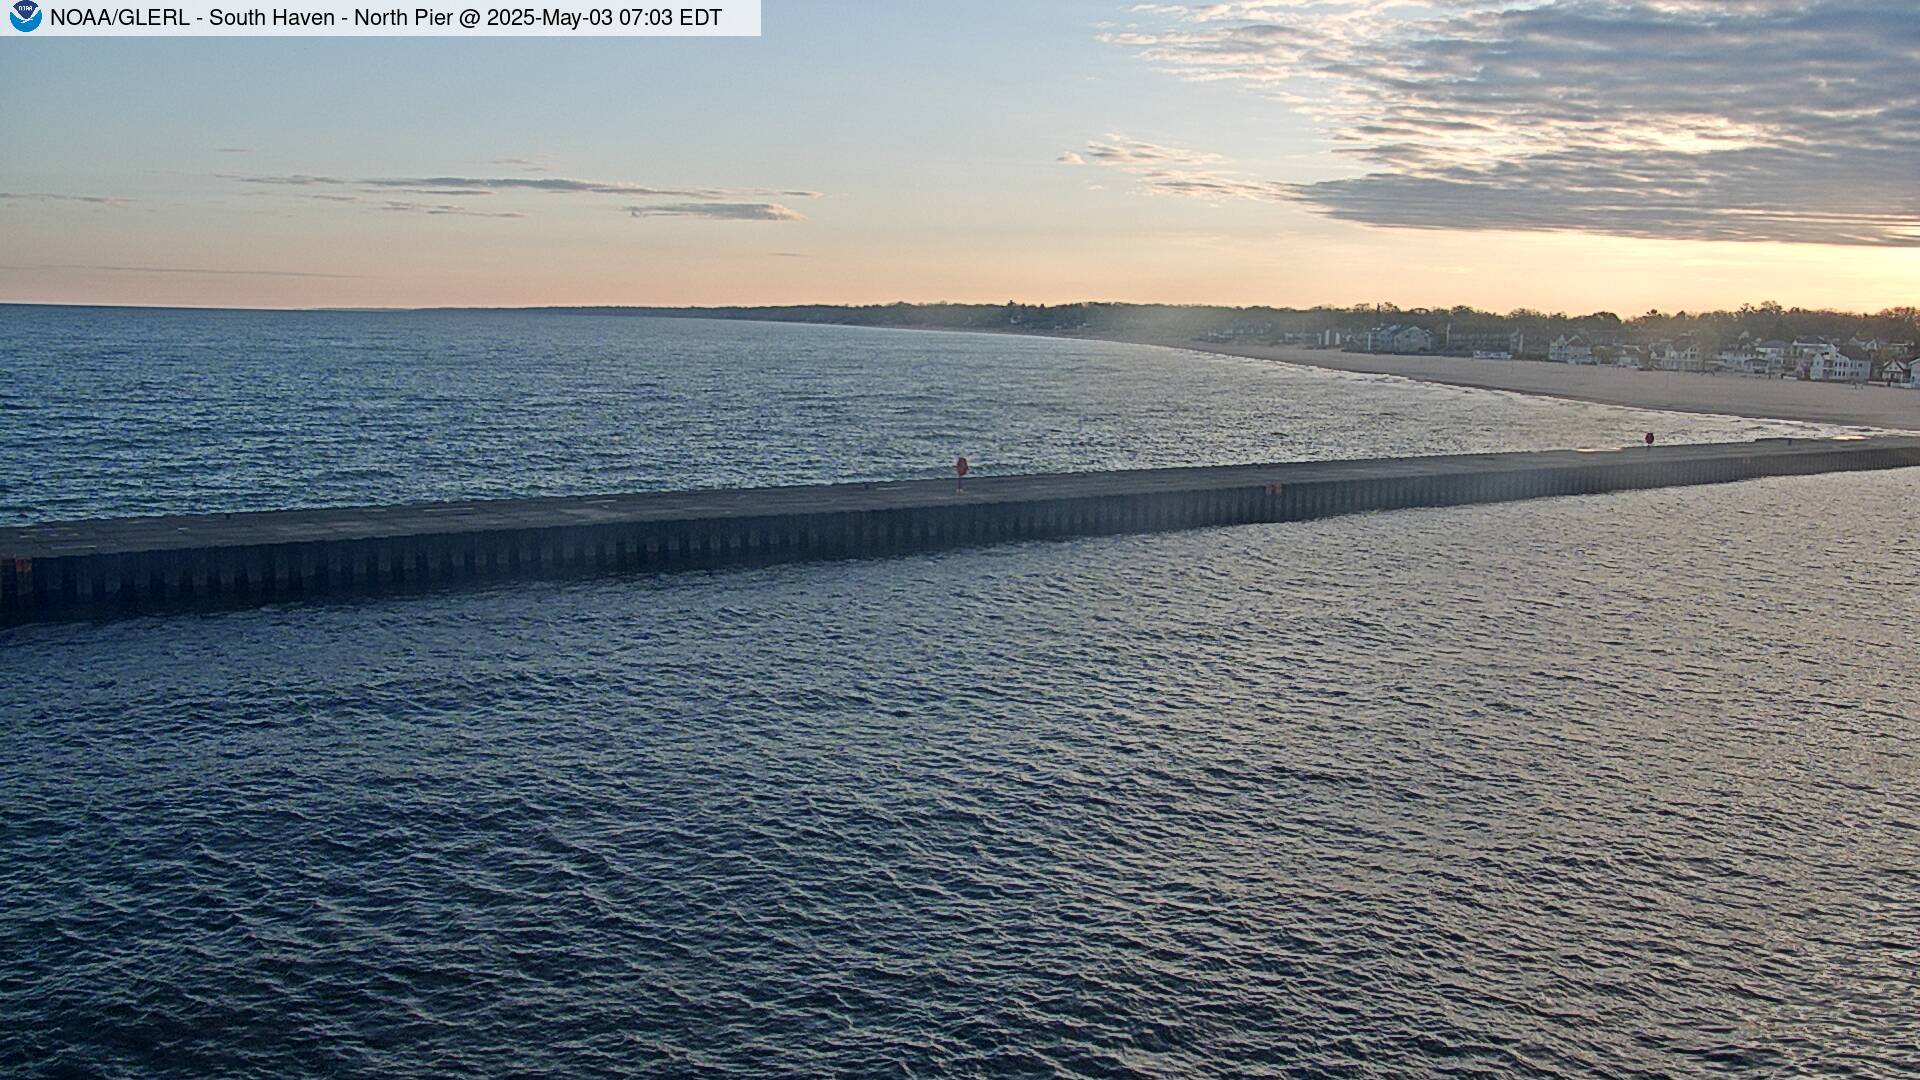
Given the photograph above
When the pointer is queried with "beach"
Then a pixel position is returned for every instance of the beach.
(1892, 408)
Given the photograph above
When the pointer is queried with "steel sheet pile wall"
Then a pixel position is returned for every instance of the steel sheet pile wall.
(84, 568)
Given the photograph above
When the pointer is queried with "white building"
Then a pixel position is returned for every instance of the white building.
(1832, 365)
(1570, 349)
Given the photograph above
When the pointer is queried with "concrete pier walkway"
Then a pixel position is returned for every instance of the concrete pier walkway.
(99, 567)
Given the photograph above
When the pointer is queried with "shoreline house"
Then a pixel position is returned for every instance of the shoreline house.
(1823, 361)
(1773, 355)
(1752, 360)
(1570, 349)
(1398, 339)
(1677, 356)
(1739, 360)
(1629, 356)
(1241, 331)
(1483, 344)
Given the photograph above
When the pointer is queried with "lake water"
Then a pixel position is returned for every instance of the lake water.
(1625, 785)
(117, 412)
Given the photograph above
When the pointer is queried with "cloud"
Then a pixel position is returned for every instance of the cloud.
(529, 164)
(1135, 154)
(48, 196)
(466, 185)
(718, 204)
(1176, 170)
(1763, 120)
(719, 211)
(446, 209)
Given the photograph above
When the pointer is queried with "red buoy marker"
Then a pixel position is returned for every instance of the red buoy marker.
(960, 474)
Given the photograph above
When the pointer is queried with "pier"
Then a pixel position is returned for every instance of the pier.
(107, 566)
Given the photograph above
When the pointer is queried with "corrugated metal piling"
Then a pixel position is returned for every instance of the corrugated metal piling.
(101, 567)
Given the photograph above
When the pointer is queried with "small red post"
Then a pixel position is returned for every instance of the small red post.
(1649, 440)
(960, 474)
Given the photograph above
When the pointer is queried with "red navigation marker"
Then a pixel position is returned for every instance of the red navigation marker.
(960, 474)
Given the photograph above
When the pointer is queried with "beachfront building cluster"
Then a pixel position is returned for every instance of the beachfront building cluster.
(1854, 360)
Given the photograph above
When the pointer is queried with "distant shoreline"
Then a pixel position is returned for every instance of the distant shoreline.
(1892, 408)
(1889, 408)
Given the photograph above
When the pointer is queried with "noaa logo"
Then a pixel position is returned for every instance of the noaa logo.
(25, 15)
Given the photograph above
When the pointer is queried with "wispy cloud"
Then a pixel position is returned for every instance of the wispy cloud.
(382, 202)
(719, 204)
(48, 196)
(1129, 153)
(719, 211)
(446, 209)
(1176, 170)
(1766, 120)
(468, 185)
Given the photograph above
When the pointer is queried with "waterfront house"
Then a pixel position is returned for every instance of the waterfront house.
(1398, 339)
(1676, 356)
(1483, 344)
(1739, 361)
(1570, 349)
(1632, 356)
(1833, 365)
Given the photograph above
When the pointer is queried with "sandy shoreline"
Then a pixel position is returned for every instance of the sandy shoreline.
(1727, 395)
(1882, 407)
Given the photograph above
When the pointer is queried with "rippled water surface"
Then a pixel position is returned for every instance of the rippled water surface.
(114, 412)
(1623, 786)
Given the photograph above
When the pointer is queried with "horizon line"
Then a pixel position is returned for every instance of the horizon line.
(367, 309)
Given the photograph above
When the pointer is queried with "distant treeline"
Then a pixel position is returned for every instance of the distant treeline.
(1709, 329)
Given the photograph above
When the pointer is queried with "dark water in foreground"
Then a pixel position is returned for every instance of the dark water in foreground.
(1621, 786)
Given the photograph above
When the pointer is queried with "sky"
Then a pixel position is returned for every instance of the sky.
(1572, 155)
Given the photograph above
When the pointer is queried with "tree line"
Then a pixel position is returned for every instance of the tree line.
(1710, 330)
